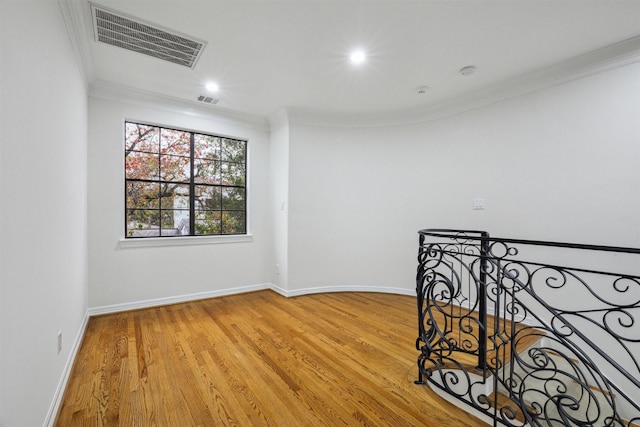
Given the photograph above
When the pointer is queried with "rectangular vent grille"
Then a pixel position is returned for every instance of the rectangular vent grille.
(208, 99)
(130, 33)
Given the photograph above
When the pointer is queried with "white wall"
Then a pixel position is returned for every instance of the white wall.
(43, 258)
(127, 275)
(2, 13)
(557, 164)
(279, 194)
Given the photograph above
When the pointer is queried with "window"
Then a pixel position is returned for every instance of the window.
(181, 183)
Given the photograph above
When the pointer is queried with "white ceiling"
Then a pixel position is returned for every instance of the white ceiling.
(266, 54)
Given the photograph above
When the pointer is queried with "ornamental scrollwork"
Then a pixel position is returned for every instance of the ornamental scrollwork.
(548, 338)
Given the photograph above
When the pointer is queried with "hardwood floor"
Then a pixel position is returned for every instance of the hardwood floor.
(257, 359)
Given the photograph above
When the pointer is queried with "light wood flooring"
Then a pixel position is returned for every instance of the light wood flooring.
(256, 359)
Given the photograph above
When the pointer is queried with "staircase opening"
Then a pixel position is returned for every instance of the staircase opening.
(530, 333)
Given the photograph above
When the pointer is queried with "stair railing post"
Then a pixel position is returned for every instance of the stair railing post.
(481, 284)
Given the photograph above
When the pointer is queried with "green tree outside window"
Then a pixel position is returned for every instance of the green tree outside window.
(181, 183)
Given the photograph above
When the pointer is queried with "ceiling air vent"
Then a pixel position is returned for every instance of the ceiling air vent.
(208, 99)
(130, 33)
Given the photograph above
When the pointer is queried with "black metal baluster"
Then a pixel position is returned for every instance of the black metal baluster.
(482, 304)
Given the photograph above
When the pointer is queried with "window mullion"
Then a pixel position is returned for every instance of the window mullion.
(160, 182)
(154, 177)
(192, 188)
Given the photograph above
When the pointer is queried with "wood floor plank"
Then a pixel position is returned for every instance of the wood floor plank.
(256, 359)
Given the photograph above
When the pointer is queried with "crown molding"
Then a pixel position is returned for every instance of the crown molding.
(131, 95)
(614, 56)
(73, 13)
(77, 16)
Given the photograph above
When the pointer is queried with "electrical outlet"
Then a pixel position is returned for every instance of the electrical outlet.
(59, 342)
(478, 204)
(278, 269)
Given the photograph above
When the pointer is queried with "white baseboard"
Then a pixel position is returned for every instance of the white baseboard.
(345, 288)
(66, 373)
(136, 305)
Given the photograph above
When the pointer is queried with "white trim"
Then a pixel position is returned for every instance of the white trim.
(350, 288)
(149, 242)
(77, 14)
(73, 13)
(607, 58)
(130, 95)
(66, 374)
(136, 305)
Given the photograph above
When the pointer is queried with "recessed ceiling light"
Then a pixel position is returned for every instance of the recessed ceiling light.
(212, 87)
(358, 57)
(468, 70)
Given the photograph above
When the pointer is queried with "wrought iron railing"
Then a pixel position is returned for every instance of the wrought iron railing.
(530, 333)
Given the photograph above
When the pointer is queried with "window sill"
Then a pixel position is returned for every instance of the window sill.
(183, 241)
